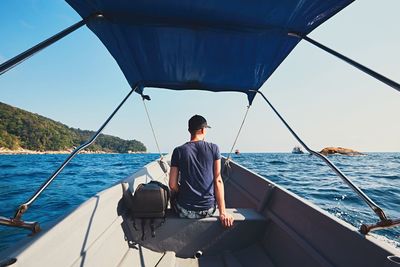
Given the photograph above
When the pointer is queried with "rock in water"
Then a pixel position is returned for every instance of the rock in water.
(340, 150)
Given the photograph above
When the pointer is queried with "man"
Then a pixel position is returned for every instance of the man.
(199, 164)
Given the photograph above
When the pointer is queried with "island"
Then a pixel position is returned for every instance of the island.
(340, 150)
(23, 132)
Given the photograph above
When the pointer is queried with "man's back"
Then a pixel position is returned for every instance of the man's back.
(195, 161)
(201, 185)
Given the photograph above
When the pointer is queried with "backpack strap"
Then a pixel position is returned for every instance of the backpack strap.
(152, 228)
(143, 225)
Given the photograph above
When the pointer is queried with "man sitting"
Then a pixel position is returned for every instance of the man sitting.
(200, 184)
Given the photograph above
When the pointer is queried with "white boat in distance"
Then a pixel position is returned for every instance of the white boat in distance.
(273, 227)
(297, 150)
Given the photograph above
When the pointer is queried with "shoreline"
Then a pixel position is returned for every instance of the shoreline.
(22, 151)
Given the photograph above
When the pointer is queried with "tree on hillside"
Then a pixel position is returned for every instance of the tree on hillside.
(19, 128)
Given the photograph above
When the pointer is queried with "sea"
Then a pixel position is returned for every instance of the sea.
(377, 174)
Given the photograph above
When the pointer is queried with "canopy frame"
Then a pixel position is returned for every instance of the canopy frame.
(11, 63)
(353, 63)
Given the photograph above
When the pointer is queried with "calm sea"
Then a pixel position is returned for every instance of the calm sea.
(378, 174)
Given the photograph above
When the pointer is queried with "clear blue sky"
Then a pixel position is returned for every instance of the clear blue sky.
(327, 102)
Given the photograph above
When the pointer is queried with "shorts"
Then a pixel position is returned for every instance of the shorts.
(193, 214)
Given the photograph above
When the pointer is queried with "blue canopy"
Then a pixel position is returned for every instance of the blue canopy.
(215, 45)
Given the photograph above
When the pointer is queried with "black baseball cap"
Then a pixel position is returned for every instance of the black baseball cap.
(197, 122)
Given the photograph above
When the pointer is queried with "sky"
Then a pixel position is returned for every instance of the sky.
(327, 102)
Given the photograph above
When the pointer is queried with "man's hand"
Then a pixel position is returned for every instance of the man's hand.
(226, 220)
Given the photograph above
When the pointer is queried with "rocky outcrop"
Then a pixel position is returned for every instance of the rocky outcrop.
(340, 150)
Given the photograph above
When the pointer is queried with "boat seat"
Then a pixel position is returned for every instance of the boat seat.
(185, 236)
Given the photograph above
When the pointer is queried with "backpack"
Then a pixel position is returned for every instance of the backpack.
(148, 203)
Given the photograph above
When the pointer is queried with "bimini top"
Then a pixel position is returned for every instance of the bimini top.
(215, 45)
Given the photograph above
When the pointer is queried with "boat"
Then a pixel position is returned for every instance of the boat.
(273, 227)
(297, 150)
(237, 152)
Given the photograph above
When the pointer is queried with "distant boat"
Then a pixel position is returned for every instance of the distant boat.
(237, 152)
(297, 150)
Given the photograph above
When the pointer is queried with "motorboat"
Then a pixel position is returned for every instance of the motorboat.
(297, 150)
(185, 45)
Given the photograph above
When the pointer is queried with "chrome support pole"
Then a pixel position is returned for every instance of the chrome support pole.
(17, 221)
(363, 68)
(8, 65)
(384, 221)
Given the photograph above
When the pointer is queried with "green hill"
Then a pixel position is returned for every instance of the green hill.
(23, 129)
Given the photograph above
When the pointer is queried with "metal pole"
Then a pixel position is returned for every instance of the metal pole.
(24, 207)
(363, 68)
(8, 65)
(360, 193)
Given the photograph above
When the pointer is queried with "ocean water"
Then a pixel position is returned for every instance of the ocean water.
(378, 174)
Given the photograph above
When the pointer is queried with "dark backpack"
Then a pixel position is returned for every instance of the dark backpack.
(149, 202)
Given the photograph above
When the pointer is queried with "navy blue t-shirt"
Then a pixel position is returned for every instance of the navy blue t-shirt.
(195, 161)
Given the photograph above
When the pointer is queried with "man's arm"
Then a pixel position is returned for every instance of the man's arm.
(173, 179)
(226, 219)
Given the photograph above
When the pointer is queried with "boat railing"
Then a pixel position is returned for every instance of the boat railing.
(384, 222)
